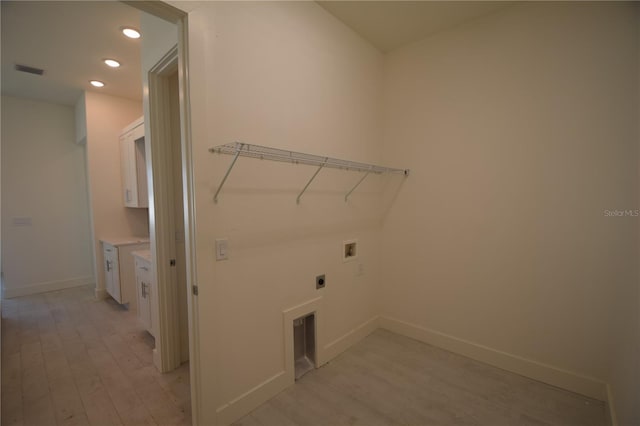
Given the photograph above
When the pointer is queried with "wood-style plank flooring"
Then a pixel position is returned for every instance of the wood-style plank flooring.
(389, 379)
(68, 359)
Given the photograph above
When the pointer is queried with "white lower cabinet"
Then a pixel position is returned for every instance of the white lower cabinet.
(111, 275)
(145, 289)
(119, 274)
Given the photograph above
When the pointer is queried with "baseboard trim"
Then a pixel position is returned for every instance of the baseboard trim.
(29, 289)
(561, 378)
(254, 397)
(261, 393)
(101, 293)
(611, 408)
(344, 342)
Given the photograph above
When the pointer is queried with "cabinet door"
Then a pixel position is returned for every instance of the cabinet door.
(111, 272)
(143, 288)
(134, 168)
(108, 275)
(128, 168)
(147, 314)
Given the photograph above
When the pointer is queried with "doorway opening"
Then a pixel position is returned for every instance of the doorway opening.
(168, 231)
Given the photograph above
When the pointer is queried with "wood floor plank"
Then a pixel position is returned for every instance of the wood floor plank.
(68, 359)
(388, 379)
(39, 411)
(71, 360)
(67, 404)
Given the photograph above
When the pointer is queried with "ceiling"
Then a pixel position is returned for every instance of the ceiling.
(69, 40)
(391, 24)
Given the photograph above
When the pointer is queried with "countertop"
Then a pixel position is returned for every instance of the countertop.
(143, 254)
(124, 241)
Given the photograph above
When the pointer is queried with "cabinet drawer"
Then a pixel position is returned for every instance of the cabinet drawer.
(143, 270)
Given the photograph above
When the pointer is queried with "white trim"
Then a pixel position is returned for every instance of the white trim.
(161, 207)
(254, 397)
(101, 293)
(137, 123)
(569, 380)
(35, 288)
(189, 191)
(610, 408)
(341, 344)
(313, 306)
(259, 394)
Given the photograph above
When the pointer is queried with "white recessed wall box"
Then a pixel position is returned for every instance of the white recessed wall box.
(349, 250)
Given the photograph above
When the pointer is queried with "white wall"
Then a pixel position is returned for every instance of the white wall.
(43, 179)
(521, 130)
(625, 375)
(286, 75)
(106, 117)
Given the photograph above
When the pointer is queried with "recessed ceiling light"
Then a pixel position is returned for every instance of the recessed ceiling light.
(96, 83)
(112, 63)
(131, 32)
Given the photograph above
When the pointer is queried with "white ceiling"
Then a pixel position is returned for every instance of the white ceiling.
(391, 24)
(69, 40)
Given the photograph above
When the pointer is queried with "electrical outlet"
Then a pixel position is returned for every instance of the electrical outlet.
(320, 282)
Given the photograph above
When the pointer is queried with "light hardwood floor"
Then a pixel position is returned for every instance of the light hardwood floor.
(389, 379)
(68, 359)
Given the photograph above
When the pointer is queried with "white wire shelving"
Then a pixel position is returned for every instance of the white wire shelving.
(241, 149)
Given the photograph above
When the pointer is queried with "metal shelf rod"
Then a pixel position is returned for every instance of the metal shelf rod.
(308, 183)
(240, 149)
(226, 175)
(355, 186)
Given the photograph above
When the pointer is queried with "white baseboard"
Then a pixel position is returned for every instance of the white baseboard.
(261, 393)
(561, 378)
(101, 293)
(343, 343)
(612, 418)
(254, 397)
(28, 289)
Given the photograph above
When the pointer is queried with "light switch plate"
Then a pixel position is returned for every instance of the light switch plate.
(21, 221)
(222, 249)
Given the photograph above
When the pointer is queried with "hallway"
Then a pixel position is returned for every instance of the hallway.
(68, 359)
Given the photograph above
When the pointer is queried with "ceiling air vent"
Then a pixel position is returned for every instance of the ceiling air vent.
(30, 70)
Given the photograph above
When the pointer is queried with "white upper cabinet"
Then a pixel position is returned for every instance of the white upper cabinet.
(133, 164)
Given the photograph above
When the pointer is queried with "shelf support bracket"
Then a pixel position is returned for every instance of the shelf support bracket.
(346, 197)
(311, 180)
(226, 175)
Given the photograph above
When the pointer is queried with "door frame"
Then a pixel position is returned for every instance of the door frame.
(167, 354)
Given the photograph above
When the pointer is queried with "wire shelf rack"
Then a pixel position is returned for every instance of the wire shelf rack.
(241, 149)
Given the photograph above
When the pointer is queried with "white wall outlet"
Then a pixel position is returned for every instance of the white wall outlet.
(222, 249)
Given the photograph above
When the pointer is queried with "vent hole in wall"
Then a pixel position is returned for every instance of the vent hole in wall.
(304, 344)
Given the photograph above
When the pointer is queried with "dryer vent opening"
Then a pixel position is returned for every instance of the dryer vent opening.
(304, 344)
